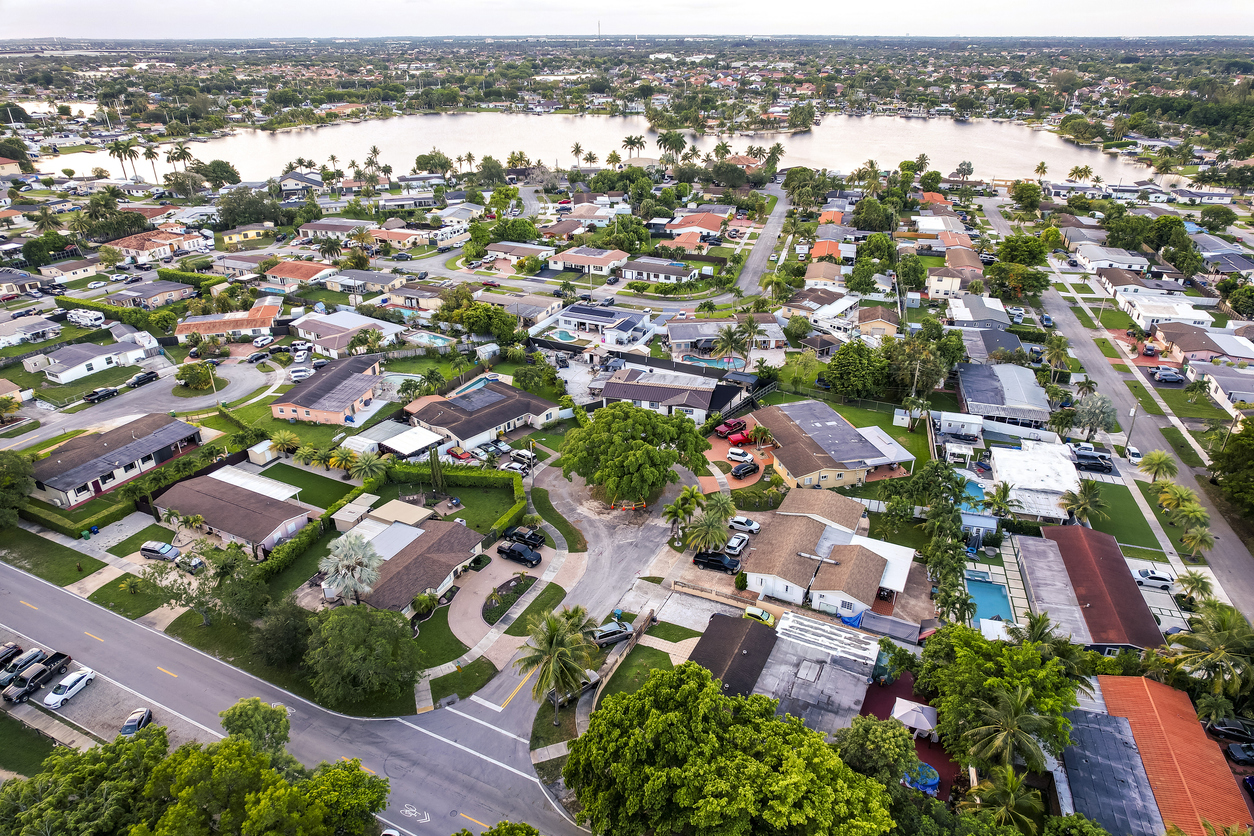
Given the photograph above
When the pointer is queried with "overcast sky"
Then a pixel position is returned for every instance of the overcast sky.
(372, 18)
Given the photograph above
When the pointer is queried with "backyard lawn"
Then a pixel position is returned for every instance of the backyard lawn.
(553, 436)
(131, 544)
(907, 535)
(635, 669)
(112, 596)
(463, 682)
(45, 559)
(437, 641)
(1124, 520)
(668, 632)
(314, 489)
(1148, 404)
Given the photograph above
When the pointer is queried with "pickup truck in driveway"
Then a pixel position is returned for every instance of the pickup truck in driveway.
(36, 676)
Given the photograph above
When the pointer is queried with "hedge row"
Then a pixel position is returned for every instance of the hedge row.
(1028, 334)
(137, 317)
(231, 418)
(62, 525)
(1026, 528)
(196, 280)
(1046, 375)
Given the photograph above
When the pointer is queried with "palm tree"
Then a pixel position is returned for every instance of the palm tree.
(1195, 584)
(915, 408)
(1197, 539)
(322, 457)
(590, 158)
(151, 155)
(1040, 170)
(722, 150)
(1190, 515)
(1218, 650)
(179, 153)
(459, 364)
(1000, 502)
(676, 515)
(1008, 727)
(368, 466)
(1086, 387)
(343, 459)
(558, 653)
(433, 380)
(1062, 421)
(720, 506)
(613, 159)
(8, 406)
(329, 249)
(1196, 389)
(46, 221)
(579, 620)
(577, 150)
(750, 330)
(131, 584)
(1086, 503)
(80, 224)
(352, 565)
(708, 533)
(1157, 464)
(285, 441)
(1056, 354)
(729, 342)
(1173, 497)
(1008, 799)
(306, 454)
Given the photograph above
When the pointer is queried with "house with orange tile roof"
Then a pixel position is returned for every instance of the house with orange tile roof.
(831, 217)
(690, 241)
(700, 221)
(402, 239)
(744, 162)
(156, 244)
(289, 274)
(151, 212)
(934, 198)
(250, 323)
(1191, 781)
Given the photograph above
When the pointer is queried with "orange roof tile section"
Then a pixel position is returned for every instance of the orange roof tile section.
(1186, 769)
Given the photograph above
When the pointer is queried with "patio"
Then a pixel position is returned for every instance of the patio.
(879, 703)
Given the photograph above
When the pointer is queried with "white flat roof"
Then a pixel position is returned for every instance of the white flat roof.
(412, 440)
(257, 484)
(853, 645)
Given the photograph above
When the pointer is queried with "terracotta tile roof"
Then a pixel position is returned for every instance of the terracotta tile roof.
(1186, 769)
(823, 248)
(300, 270)
(832, 217)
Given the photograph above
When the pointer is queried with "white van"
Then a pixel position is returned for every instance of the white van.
(525, 456)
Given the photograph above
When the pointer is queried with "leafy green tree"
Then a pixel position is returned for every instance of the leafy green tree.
(504, 828)
(1074, 824)
(265, 727)
(882, 750)
(16, 482)
(1217, 218)
(680, 756)
(930, 181)
(1096, 412)
(357, 652)
(1021, 249)
(282, 635)
(911, 274)
(195, 375)
(630, 451)
(872, 215)
(350, 795)
(1007, 727)
(798, 328)
(1026, 195)
(856, 371)
(351, 565)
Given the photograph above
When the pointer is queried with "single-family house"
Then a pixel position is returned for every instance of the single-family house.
(73, 362)
(337, 228)
(1119, 281)
(70, 270)
(157, 244)
(1003, 392)
(431, 555)
(960, 258)
(823, 345)
(249, 232)
(1196, 196)
(239, 264)
(254, 322)
(234, 513)
(562, 230)
(657, 270)
(360, 281)
(150, 295)
(1149, 311)
(735, 652)
(1039, 473)
(1230, 387)
(614, 325)
(27, 329)
(514, 251)
(334, 394)
(289, 275)
(401, 239)
(947, 281)
(296, 184)
(332, 334)
(971, 311)
(824, 274)
(481, 414)
(529, 309)
(1092, 258)
(878, 321)
(706, 223)
(589, 260)
(667, 393)
(411, 297)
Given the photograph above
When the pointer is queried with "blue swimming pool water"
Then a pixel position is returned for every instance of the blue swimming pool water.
(427, 338)
(565, 336)
(720, 363)
(472, 385)
(973, 506)
(990, 599)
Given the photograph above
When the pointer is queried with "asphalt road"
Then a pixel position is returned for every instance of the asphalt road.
(991, 211)
(449, 769)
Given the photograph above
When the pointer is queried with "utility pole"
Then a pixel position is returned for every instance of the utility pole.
(1131, 427)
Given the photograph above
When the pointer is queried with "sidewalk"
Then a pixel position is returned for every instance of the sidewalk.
(51, 727)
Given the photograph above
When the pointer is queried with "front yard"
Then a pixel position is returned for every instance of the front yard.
(45, 559)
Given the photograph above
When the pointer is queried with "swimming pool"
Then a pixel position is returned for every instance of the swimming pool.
(720, 363)
(974, 505)
(427, 338)
(477, 383)
(565, 336)
(990, 599)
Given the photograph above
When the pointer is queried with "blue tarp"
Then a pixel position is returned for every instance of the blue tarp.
(856, 621)
(928, 780)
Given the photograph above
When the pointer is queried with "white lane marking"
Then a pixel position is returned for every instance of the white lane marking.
(476, 698)
(489, 725)
(470, 751)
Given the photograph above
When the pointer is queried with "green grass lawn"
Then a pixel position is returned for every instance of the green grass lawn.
(181, 391)
(131, 544)
(1124, 520)
(112, 596)
(553, 436)
(1182, 447)
(668, 632)
(45, 559)
(1120, 367)
(1083, 316)
(635, 669)
(1115, 319)
(908, 535)
(1174, 532)
(1220, 318)
(29, 426)
(52, 442)
(68, 332)
(544, 733)
(546, 601)
(1106, 348)
(1202, 407)
(944, 402)
(575, 541)
(302, 568)
(932, 260)
(24, 748)
(464, 682)
(61, 395)
(1148, 404)
(437, 641)
(314, 489)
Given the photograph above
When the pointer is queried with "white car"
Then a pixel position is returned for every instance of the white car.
(94, 285)
(516, 467)
(1016, 311)
(68, 687)
(1153, 577)
(736, 544)
(300, 357)
(743, 524)
(262, 342)
(739, 454)
(1134, 455)
(300, 374)
(302, 345)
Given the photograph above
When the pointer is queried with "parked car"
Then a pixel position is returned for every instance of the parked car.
(458, 453)
(1169, 376)
(487, 282)
(759, 614)
(263, 341)
(8, 650)
(1015, 311)
(502, 448)
(607, 301)
(280, 349)
(612, 633)
(611, 280)
(190, 565)
(32, 679)
(515, 467)
(1082, 447)
(1153, 577)
(402, 257)
(142, 378)
(68, 687)
(302, 345)
(587, 682)
(745, 469)
(1242, 753)
(1150, 351)
(1047, 320)
(258, 356)
(300, 357)
(741, 523)
(101, 394)
(139, 718)
(20, 663)
(1134, 455)
(518, 553)
(1241, 731)
(530, 537)
(1099, 462)
(726, 428)
(320, 362)
(739, 454)
(738, 439)
(716, 560)
(156, 550)
(301, 373)
(736, 544)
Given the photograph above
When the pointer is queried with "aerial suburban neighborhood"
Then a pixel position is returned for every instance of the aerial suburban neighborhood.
(672, 434)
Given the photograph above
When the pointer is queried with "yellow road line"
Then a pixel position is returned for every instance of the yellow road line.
(32, 606)
(516, 690)
(163, 670)
(476, 821)
(97, 638)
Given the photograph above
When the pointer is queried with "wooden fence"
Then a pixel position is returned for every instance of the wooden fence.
(639, 629)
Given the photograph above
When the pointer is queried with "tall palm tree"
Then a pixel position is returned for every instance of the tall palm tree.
(675, 514)
(1157, 464)
(729, 342)
(130, 150)
(1008, 800)
(577, 617)
(1062, 421)
(329, 249)
(351, 565)
(80, 224)
(1040, 170)
(1008, 726)
(1218, 650)
(179, 153)
(577, 151)
(1086, 503)
(368, 466)
(46, 221)
(750, 330)
(1197, 539)
(1195, 584)
(590, 158)
(558, 653)
(151, 155)
(915, 409)
(1086, 387)
(1056, 354)
(1000, 502)
(433, 380)
(720, 506)
(708, 533)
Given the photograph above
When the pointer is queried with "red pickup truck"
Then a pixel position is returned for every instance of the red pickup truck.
(726, 428)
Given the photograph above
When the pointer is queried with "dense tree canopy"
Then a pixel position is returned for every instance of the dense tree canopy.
(16, 483)
(1234, 466)
(355, 652)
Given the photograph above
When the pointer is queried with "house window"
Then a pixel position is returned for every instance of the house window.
(845, 605)
(128, 468)
(108, 361)
(840, 476)
(280, 410)
(146, 459)
(809, 480)
(107, 478)
(823, 477)
(306, 412)
(81, 489)
(786, 587)
(89, 367)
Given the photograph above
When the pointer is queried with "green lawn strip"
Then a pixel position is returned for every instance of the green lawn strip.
(302, 568)
(497, 611)
(1120, 367)
(45, 559)
(1174, 532)
(652, 578)
(112, 596)
(575, 541)
(256, 393)
(1178, 401)
(758, 496)
(550, 771)
(59, 395)
(551, 437)
(1143, 397)
(908, 535)
(131, 544)
(1220, 319)
(464, 682)
(1106, 348)
(726, 467)
(230, 641)
(437, 641)
(52, 442)
(1182, 447)
(29, 426)
(544, 733)
(314, 489)
(24, 748)
(546, 601)
(1124, 520)
(635, 669)
(1144, 554)
(217, 422)
(181, 391)
(542, 454)
(1115, 319)
(1083, 316)
(668, 632)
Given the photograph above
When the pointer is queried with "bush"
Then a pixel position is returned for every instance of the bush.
(62, 525)
(1025, 528)
(994, 539)
(742, 581)
(197, 280)
(1028, 334)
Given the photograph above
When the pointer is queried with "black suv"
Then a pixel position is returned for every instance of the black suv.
(716, 560)
(258, 356)
(98, 395)
(142, 378)
(1094, 461)
(529, 537)
(519, 553)
(744, 469)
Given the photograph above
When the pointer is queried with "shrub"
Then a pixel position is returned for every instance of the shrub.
(1028, 334)
(742, 581)
(1024, 528)
(62, 525)
(197, 280)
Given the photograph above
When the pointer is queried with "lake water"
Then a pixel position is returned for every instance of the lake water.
(841, 143)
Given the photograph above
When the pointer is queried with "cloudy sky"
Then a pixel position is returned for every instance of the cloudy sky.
(372, 18)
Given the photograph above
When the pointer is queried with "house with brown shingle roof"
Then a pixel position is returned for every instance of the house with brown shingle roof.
(878, 321)
(848, 582)
(829, 508)
(425, 566)
(960, 258)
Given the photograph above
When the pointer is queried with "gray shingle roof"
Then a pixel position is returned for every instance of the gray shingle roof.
(89, 457)
(336, 386)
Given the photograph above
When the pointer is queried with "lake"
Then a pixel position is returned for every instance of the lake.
(841, 143)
